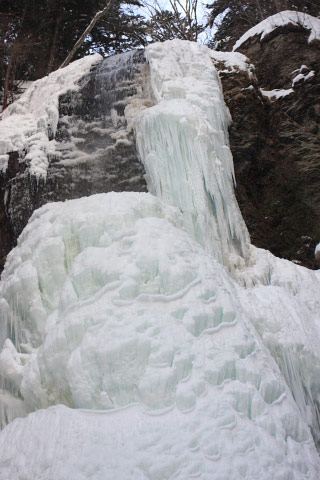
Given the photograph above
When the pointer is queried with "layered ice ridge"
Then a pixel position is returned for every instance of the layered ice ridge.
(183, 144)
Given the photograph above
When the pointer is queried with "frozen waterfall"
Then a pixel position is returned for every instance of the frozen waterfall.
(142, 336)
(183, 143)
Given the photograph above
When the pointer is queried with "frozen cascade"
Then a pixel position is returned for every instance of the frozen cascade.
(83, 144)
(183, 143)
(166, 366)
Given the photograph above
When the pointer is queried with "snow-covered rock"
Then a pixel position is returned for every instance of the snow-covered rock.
(28, 123)
(281, 19)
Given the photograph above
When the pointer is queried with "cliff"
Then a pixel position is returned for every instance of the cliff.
(275, 135)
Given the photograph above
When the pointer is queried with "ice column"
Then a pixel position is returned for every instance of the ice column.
(183, 143)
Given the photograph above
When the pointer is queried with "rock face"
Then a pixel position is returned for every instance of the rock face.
(276, 142)
(95, 149)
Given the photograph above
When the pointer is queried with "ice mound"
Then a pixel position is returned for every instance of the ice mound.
(110, 305)
(82, 310)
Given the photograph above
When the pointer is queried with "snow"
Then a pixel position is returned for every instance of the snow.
(28, 123)
(136, 341)
(4, 162)
(128, 444)
(302, 75)
(276, 93)
(282, 19)
(233, 61)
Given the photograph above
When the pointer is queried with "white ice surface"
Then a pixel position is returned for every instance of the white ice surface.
(27, 123)
(123, 312)
(4, 162)
(282, 19)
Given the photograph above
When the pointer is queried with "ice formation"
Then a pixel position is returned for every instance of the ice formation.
(123, 310)
(282, 19)
(192, 168)
(120, 307)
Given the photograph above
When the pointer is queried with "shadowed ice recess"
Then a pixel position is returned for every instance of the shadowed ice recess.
(144, 332)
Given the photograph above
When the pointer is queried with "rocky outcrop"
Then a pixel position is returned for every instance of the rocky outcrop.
(275, 141)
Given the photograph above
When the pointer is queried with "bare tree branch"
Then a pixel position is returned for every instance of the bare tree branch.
(79, 43)
(178, 18)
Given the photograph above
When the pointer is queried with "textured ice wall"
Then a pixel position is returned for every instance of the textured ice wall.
(183, 144)
(283, 303)
(110, 305)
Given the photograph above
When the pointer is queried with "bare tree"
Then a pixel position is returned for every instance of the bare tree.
(14, 47)
(87, 31)
(179, 19)
(189, 11)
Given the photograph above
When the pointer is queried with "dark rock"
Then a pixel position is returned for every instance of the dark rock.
(276, 144)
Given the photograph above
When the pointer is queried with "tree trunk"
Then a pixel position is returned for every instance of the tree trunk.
(12, 54)
(53, 49)
(262, 16)
(7, 83)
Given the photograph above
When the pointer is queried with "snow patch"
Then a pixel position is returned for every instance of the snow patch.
(282, 19)
(304, 73)
(233, 61)
(276, 93)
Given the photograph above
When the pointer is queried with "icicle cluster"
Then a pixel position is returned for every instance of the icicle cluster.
(183, 144)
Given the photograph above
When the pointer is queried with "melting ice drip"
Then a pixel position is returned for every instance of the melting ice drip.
(110, 303)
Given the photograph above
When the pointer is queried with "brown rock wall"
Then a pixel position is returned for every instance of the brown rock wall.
(276, 143)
